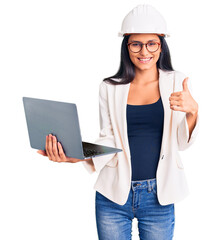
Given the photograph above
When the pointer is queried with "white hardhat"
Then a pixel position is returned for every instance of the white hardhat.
(144, 19)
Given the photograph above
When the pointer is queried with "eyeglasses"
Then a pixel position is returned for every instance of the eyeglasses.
(136, 46)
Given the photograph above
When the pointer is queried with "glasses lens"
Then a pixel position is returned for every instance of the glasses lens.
(152, 46)
(135, 47)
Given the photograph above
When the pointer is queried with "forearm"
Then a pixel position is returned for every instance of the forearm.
(91, 163)
(191, 121)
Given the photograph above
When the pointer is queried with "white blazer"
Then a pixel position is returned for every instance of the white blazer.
(114, 180)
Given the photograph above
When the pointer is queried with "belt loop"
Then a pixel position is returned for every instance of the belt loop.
(149, 186)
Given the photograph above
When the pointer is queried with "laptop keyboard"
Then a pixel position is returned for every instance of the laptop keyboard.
(91, 152)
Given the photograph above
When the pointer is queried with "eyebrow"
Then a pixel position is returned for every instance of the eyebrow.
(147, 41)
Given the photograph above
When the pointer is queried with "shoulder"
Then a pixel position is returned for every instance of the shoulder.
(179, 75)
(174, 73)
(105, 86)
(176, 76)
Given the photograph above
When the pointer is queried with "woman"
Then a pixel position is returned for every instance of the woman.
(147, 110)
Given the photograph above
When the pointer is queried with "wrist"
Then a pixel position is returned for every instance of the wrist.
(194, 111)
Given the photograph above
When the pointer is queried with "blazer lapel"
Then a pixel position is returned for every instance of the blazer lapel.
(121, 96)
(166, 86)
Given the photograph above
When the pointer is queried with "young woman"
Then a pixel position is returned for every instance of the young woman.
(147, 110)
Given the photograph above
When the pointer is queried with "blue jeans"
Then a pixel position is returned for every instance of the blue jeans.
(155, 222)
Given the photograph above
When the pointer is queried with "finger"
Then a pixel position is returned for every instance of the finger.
(176, 94)
(47, 147)
(175, 102)
(61, 152)
(42, 152)
(52, 157)
(54, 148)
(174, 98)
(177, 108)
(185, 87)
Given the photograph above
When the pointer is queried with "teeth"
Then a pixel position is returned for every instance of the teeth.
(145, 59)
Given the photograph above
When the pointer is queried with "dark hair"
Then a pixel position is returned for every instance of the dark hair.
(127, 69)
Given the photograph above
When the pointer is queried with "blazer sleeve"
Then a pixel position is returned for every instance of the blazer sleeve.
(106, 136)
(183, 129)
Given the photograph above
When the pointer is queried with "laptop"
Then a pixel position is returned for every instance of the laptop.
(60, 119)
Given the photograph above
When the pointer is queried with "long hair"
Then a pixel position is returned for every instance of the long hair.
(126, 70)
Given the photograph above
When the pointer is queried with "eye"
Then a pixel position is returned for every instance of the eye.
(152, 44)
(135, 44)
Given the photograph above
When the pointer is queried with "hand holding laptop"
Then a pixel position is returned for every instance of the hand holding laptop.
(61, 120)
(55, 153)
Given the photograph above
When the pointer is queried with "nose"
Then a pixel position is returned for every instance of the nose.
(144, 50)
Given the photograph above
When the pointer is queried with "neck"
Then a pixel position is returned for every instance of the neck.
(143, 77)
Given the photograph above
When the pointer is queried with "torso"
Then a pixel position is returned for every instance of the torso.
(141, 95)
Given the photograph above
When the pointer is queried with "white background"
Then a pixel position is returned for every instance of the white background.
(61, 50)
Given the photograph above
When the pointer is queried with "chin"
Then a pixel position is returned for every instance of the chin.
(144, 68)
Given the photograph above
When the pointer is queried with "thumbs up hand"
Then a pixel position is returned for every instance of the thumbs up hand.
(183, 101)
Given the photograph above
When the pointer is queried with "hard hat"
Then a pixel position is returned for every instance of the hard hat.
(144, 19)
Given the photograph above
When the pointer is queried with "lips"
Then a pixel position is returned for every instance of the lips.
(145, 60)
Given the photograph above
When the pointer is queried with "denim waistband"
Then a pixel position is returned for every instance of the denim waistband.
(143, 184)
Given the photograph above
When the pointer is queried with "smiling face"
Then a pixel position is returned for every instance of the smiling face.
(144, 60)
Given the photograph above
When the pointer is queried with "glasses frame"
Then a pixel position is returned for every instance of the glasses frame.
(141, 44)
